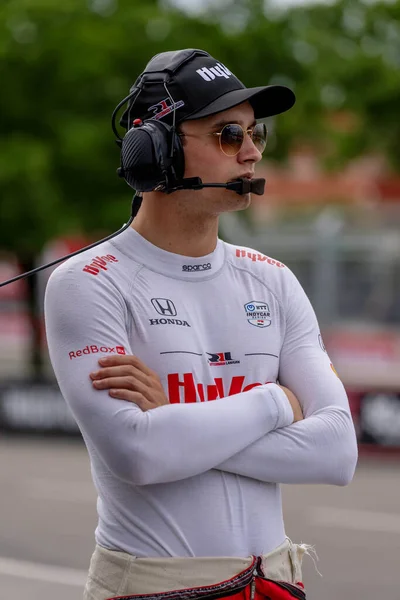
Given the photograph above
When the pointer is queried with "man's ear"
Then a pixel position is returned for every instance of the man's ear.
(180, 131)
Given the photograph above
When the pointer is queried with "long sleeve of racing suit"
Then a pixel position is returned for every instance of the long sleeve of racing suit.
(143, 447)
(322, 448)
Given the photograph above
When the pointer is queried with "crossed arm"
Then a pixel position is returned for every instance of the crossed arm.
(320, 448)
(250, 434)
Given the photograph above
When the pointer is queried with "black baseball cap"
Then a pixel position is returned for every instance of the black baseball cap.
(194, 85)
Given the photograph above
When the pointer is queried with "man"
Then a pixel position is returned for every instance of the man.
(168, 346)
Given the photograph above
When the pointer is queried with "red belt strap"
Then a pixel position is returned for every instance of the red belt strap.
(249, 584)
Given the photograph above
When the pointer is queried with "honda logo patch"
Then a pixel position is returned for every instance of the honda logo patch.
(164, 306)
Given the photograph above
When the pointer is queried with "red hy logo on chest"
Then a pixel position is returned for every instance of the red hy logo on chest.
(183, 388)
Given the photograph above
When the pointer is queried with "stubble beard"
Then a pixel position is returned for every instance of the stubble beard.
(238, 202)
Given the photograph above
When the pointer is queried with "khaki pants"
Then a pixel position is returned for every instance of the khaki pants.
(115, 573)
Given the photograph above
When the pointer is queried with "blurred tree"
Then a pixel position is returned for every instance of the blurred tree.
(62, 71)
(343, 60)
(64, 68)
(357, 69)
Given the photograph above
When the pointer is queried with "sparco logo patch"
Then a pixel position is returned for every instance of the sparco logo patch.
(258, 313)
(94, 349)
(193, 268)
(208, 74)
(163, 108)
(256, 256)
(99, 264)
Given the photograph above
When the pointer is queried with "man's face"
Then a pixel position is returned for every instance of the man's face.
(204, 157)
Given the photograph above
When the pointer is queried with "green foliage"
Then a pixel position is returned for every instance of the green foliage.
(65, 65)
(356, 66)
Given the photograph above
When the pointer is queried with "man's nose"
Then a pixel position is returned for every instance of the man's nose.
(248, 151)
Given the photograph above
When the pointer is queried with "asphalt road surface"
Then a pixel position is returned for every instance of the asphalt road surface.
(48, 516)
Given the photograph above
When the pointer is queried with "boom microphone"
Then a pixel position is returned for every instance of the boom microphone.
(240, 186)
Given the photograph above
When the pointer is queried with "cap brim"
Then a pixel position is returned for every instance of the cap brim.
(266, 101)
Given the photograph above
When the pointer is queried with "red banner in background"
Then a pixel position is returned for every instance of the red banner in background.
(367, 360)
(365, 357)
(9, 268)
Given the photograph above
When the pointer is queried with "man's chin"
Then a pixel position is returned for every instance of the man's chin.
(239, 202)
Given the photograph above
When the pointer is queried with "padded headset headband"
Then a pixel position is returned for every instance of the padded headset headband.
(160, 69)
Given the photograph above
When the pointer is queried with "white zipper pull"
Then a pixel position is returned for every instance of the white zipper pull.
(253, 585)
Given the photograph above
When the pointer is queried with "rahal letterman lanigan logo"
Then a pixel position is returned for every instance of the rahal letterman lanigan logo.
(163, 108)
(220, 359)
(258, 313)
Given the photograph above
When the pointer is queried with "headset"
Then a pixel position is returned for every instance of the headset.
(151, 152)
(152, 156)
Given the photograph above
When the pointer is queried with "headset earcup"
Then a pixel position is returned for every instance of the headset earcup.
(138, 160)
(146, 156)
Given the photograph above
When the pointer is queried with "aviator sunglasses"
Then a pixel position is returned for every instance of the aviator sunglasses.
(231, 137)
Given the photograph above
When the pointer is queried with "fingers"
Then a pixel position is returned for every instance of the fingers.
(120, 371)
(128, 378)
(124, 388)
(127, 383)
(127, 359)
(133, 397)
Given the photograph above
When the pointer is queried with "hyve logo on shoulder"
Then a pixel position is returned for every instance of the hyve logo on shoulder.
(256, 256)
(166, 308)
(208, 74)
(100, 262)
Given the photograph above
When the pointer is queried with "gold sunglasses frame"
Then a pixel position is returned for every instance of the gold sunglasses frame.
(219, 134)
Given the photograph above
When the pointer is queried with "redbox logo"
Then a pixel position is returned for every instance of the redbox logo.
(258, 257)
(95, 349)
(98, 263)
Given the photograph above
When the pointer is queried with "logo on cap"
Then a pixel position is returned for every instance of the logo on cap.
(208, 74)
(163, 108)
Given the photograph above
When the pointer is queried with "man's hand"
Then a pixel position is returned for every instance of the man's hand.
(294, 403)
(128, 378)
